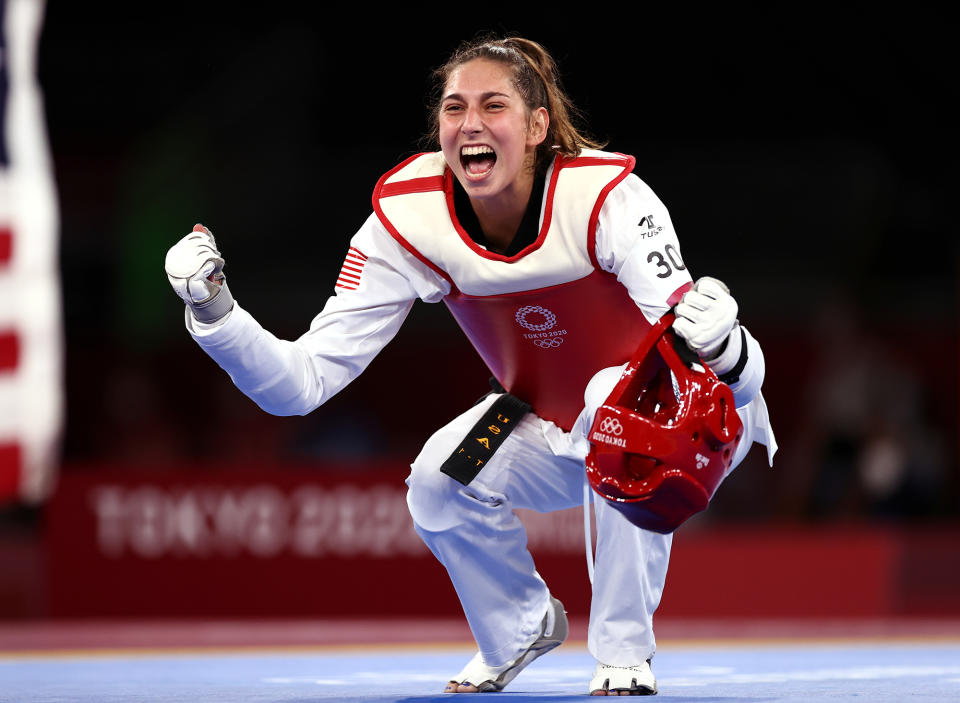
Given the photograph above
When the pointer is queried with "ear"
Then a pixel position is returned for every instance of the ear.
(537, 126)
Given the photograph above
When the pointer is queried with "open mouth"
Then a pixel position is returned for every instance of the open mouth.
(477, 161)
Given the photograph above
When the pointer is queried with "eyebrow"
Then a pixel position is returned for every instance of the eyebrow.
(484, 96)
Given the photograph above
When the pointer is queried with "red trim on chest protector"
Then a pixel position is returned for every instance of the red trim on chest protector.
(628, 163)
(444, 182)
(414, 185)
(493, 256)
(385, 221)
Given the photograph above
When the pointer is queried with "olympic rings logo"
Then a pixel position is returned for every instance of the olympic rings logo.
(551, 343)
(611, 425)
(549, 318)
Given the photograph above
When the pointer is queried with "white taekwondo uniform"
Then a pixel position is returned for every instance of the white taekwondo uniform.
(605, 265)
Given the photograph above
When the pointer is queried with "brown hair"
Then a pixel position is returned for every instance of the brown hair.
(537, 80)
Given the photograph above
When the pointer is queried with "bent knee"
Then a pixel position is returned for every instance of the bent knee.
(432, 497)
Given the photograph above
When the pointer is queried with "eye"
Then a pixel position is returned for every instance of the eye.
(451, 108)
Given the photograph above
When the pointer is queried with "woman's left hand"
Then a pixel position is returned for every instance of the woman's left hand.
(706, 315)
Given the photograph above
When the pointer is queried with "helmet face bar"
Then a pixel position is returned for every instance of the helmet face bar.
(665, 437)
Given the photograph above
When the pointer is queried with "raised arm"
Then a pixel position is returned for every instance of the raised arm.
(295, 377)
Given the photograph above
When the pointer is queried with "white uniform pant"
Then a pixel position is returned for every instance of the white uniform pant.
(476, 535)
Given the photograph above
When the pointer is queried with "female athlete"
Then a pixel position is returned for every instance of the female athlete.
(555, 260)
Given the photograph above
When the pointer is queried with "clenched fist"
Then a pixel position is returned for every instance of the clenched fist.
(195, 270)
(706, 315)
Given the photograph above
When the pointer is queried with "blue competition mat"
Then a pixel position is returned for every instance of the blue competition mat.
(715, 673)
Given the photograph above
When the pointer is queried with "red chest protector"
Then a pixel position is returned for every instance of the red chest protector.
(544, 345)
(546, 320)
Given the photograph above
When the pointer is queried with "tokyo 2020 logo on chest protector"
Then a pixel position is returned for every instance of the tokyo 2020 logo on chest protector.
(541, 324)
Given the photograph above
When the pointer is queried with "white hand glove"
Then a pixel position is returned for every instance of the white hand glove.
(195, 270)
(706, 315)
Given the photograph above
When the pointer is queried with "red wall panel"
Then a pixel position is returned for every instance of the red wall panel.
(321, 543)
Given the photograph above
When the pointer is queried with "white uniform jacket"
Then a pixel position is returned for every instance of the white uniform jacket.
(596, 216)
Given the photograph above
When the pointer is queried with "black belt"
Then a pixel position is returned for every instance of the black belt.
(485, 438)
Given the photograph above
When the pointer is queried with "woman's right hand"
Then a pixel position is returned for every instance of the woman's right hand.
(195, 270)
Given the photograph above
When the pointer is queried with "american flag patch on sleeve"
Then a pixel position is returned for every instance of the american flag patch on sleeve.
(352, 269)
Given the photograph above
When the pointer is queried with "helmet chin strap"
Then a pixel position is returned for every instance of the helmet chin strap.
(587, 534)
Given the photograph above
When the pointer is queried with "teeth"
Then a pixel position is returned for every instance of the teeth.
(475, 150)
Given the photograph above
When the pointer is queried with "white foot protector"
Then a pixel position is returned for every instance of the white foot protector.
(634, 680)
(553, 631)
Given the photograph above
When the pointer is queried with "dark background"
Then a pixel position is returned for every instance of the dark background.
(804, 159)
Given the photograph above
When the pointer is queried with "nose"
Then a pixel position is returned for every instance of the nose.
(472, 122)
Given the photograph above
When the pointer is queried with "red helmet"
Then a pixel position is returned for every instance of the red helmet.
(659, 448)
